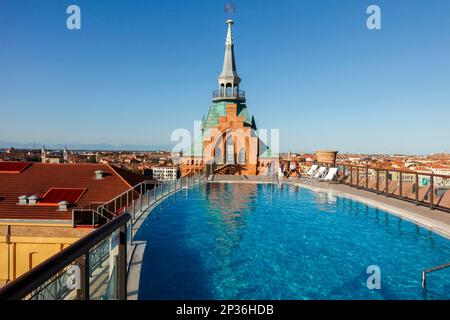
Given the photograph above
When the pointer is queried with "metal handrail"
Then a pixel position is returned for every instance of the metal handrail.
(236, 94)
(36, 277)
(342, 164)
(425, 272)
(393, 170)
(386, 172)
(348, 171)
(134, 188)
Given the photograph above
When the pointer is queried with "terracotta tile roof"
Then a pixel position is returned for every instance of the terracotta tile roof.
(38, 178)
(130, 177)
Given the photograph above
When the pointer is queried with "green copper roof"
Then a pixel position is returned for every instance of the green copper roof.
(219, 109)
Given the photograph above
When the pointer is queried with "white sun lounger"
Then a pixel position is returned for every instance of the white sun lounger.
(320, 173)
(331, 175)
(312, 170)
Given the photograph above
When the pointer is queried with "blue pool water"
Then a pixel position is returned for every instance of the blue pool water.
(245, 241)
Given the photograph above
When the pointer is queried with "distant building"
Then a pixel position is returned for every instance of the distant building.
(12, 154)
(54, 156)
(164, 173)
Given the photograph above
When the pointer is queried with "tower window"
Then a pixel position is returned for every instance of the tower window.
(229, 88)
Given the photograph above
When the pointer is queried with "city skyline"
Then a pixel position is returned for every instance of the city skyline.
(153, 67)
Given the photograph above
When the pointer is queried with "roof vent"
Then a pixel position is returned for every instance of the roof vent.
(32, 200)
(99, 174)
(23, 199)
(62, 205)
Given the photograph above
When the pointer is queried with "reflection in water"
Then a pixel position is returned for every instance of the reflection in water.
(228, 210)
(325, 201)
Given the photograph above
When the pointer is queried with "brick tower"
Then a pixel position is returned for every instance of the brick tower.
(228, 143)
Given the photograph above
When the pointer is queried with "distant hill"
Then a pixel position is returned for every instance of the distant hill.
(80, 146)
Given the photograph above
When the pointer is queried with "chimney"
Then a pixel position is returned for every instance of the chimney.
(62, 205)
(23, 200)
(99, 174)
(32, 200)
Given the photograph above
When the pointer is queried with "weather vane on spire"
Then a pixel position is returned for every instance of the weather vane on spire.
(230, 8)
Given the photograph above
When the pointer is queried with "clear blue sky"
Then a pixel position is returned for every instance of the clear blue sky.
(139, 69)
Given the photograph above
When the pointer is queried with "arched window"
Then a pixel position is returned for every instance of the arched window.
(241, 156)
(222, 90)
(230, 150)
(218, 155)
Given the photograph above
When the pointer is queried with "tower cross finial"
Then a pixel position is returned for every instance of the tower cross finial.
(230, 8)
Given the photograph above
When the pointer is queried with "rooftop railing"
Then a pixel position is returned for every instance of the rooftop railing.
(424, 189)
(81, 271)
(236, 94)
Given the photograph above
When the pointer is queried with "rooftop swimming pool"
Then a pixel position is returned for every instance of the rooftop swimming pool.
(249, 241)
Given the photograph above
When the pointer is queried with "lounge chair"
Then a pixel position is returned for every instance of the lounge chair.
(331, 175)
(312, 170)
(320, 173)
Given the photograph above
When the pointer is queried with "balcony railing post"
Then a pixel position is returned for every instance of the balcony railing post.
(351, 176)
(431, 191)
(122, 265)
(367, 177)
(357, 177)
(344, 178)
(386, 183)
(83, 293)
(400, 184)
(140, 198)
(417, 189)
(378, 180)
